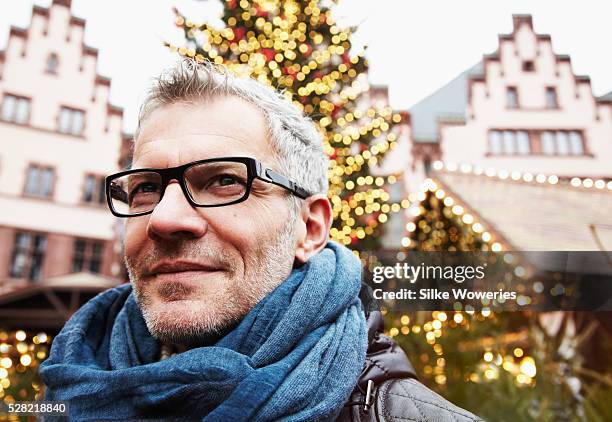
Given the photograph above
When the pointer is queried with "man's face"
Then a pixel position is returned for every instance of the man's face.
(196, 271)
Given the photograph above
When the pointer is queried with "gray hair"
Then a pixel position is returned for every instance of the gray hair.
(294, 139)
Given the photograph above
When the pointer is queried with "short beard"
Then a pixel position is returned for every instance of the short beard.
(193, 324)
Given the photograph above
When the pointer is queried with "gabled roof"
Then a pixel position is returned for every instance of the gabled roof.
(447, 103)
(532, 216)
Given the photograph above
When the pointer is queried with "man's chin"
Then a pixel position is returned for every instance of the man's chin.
(186, 321)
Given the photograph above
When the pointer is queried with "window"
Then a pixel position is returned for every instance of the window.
(528, 66)
(28, 256)
(512, 97)
(495, 145)
(576, 145)
(523, 146)
(551, 97)
(562, 143)
(71, 121)
(40, 181)
(95, 262)
(78, 257)
(94, 190)
(551, 142)
(16, 109)
(87, 256)
(509, 142)
(427, 165)
(52, 63)
(548, 143)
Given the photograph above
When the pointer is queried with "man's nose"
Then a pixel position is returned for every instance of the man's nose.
(175, 218)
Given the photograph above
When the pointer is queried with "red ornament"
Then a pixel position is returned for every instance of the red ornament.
(260, 13)
(232, 4)
(334, 154)
(269, 53)
(345, 58)
(308, 50)
(336, 110)
(239, 33)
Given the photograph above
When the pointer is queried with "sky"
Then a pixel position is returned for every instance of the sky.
(414, 47)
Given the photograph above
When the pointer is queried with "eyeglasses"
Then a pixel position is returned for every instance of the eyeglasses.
(216, 182)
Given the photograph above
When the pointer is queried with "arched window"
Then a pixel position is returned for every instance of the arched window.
(52, 63)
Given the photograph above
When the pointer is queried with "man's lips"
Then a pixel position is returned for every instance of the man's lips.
(174, 267)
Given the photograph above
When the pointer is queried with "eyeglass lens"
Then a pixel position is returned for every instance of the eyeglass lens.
(211, 183)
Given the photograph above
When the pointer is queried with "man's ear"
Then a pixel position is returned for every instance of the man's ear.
(316, 219)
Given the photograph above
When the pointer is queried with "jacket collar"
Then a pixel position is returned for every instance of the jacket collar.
(384, 359)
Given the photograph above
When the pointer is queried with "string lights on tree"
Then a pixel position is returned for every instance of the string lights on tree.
(437, 222)
(20, 355)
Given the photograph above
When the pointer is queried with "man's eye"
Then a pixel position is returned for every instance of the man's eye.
(227, 180)
(145, 188)
(224, 180)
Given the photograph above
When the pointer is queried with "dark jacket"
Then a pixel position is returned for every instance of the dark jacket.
(394, 393)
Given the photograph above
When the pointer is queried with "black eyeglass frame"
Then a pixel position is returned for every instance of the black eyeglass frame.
(255, 170)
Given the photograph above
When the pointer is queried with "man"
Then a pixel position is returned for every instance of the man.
(239, 308)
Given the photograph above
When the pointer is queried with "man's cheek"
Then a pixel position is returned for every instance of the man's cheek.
(135, 237)
(268, 216)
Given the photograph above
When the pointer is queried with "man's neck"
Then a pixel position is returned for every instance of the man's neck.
(169, 348)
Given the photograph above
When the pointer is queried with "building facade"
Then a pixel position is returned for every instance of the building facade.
(521, 108)
(59, 137)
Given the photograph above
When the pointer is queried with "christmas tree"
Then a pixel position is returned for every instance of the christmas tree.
(503, 366)
(439, 228)
(298, 47)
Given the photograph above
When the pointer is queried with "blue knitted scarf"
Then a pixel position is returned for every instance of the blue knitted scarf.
(295, 356)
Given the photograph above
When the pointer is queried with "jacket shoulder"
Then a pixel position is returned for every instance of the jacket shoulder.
(405, 399)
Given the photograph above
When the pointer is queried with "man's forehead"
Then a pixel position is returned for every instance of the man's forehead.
(186, 132)
(164, 152)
